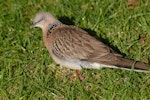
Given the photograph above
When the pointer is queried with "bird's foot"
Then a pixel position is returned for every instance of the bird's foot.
(81, 77)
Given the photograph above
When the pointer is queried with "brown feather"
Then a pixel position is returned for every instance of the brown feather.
(73, 47)
(74, 43)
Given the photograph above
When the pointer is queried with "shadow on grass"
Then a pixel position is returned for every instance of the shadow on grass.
(66, 20)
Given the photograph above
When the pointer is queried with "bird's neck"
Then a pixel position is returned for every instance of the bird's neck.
(51, 27)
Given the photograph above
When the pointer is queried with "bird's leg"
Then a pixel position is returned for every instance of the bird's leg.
(79, 75)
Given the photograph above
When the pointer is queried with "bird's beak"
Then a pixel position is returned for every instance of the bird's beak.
(32, 26)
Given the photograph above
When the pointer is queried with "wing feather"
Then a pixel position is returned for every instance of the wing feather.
(71, 42)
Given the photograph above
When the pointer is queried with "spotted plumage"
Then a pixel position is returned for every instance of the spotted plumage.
(74, 48)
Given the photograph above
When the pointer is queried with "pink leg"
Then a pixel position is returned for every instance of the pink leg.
(79, 75)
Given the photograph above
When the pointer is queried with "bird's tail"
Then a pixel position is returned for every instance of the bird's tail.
(130, 64)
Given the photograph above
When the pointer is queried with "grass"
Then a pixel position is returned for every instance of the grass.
(27, 71)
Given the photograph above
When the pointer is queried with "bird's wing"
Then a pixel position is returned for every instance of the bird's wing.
(71, 42)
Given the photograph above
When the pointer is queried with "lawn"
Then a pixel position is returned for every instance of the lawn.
(27, 71)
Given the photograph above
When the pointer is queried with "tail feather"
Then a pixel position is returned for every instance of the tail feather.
(129, 64)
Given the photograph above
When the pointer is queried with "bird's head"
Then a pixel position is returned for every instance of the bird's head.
(43, 19)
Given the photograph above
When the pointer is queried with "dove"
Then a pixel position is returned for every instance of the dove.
(73, 47)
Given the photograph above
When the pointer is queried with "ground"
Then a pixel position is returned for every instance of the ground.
(27, 71)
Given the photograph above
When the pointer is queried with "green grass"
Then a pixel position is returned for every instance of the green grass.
(27, 71)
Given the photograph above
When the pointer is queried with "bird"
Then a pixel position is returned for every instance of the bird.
(73, 47)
